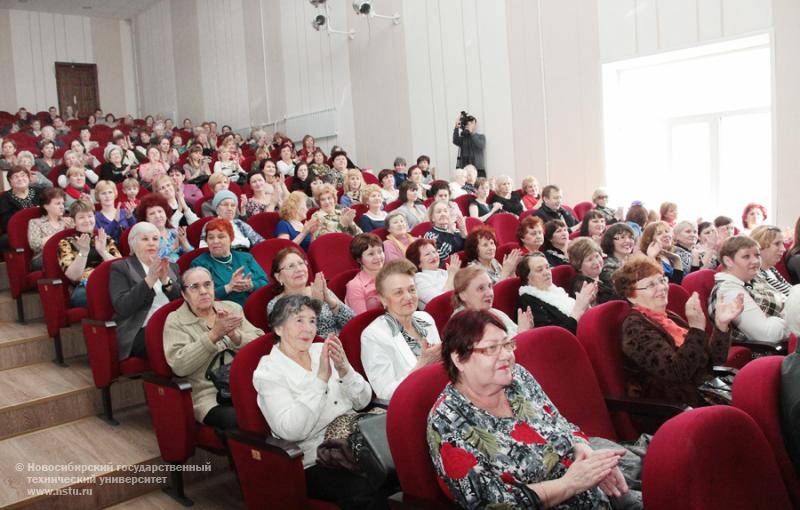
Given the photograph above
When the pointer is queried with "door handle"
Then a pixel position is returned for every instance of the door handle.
(74, 99)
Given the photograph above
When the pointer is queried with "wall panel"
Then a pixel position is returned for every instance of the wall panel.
(155, 60)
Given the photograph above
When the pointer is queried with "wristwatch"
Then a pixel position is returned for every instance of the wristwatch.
(168, 284)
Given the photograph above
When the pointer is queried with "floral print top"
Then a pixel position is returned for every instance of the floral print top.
(487, 461)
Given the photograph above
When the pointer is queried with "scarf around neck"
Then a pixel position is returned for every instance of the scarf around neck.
(553, 296)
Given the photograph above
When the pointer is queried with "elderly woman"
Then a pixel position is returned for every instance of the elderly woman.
(375, 216)
(693, 255)
(593, 225)
(79, 254)
(8, 156)
(190, 193)
(412, 208)
(417, 176)
(397, 238)
(388, 190)
(264, 197)
(473, 290)
(505, 196)
(479, 207)
(600, 201)
(528, 455)
(20, 196)
(530, 234)
(666, 357)
(154, 209)
(793, 257)
(331, 219)
(113, 169)
(531, 192)
(244, 237)
(139, 285)
(236, 274)
(293, 224)
(216, 183)
(556, 241)
(51, 222)
(285, 163)
(180, 214)
(430, 280)
(448, 241)
(402, 339)
(586, 258)
(303, 387)
(762, 317)
(307, 149)
(26, 160)
(770, 241)
(321, 169)
(440, 192)
(111, 217)
(480, 249)
(753, 216)
(367, 251)
(153, 169)
(195, 333)
(656, 242)
(228, 165)
(617, 244)
(550, 304)
(196, 166)
(290, 274)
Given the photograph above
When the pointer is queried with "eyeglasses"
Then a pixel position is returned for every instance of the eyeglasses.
(621, 237)
(292, 266)
(493, 350)
(206, 285)
(654, 284)
(602, 197)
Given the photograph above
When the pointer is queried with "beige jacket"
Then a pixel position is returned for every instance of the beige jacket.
(189, 351)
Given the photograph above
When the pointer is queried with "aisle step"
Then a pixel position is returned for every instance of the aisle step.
(31, 304)
(44, 394)
(218, 492)
(83, 455)
(28, 343)
(3, 275)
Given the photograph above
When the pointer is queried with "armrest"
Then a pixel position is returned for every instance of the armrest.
(178, 384)
(100, 324)
(720, 370)
(644, 406)
(50, 281)
(273, 444)
(400, 500)
(761, 346)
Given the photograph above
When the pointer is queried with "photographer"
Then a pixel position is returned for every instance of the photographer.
(470, 143)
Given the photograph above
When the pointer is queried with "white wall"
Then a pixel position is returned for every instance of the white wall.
(155, 60)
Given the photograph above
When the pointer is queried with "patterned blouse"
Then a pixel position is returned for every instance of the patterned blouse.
(68, 251)
(487, 461)
(332, 222)
(327, 322)
(165, 246)
(40, 229)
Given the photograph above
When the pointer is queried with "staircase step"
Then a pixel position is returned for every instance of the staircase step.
(31, 304)
(76, 459)
(3, 276)
(28, 343)
(44, 394)
(220, 491)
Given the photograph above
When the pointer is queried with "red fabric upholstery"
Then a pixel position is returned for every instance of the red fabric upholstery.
(756, 391)
(702, 282)
(570, 209)
(264, 223)
(194, 230)
(472, 223)
(338, 284)
(599, 332)
(441, 308)
(370, 178)
(563, 276)
(506, 295)
(380, 232)
(504, 249)
(712, 457)
(676, 300)
(406, 423)
(154, 338)
(266, 250)
(421, 228)
(360, 209)
(581, 208)
(18, 257)
(255, 308)
(551, 353)
(243, 393)
(54, 294)
(185, 260)
(351, 337)
(505, 227)
(124, 246)
(330, 254)
(198, 205)
(391, 206)
(463, 203)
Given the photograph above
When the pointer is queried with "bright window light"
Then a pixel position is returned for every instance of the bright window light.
(692, 126)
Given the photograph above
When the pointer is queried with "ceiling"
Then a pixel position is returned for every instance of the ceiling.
(121, 9)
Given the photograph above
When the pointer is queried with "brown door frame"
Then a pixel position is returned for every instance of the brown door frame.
(93, 67)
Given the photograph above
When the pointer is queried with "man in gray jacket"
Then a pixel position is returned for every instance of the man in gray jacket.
(471, 145)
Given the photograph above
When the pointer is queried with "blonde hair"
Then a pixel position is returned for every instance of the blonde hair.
(101, 186)
(75, 170)
(529, 181)
(351, 173)
(325, 189)
(160, 180)
(216, 179)
(292, 204)
(764, 235)
(368, 190)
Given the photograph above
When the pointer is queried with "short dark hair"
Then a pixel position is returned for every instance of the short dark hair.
(549, 229)
(733, 244)
(50, 194)
(414, 249)
(636, 268)
(523, 269)
(423, 158)
(527, 223)
(474, 239)
(153, 200)
(462, 332)
(404, 187)
(637, 214)
(383, 173)
(290, 305)
(362, 243)
(590, 215)
(549, 188)
(607, 243)
(438, 186)
(721, 221)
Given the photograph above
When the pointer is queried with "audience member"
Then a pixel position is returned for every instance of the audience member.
(367, 251)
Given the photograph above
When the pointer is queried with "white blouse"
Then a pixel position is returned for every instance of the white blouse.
(430, 283)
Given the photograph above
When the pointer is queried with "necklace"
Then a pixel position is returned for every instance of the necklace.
(227, 263)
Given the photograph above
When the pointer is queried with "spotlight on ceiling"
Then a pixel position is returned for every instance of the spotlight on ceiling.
(362, 7)
(319, 22)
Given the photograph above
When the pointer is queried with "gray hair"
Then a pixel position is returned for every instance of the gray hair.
(459, 172)
(290, 305)
(681, 225)
(140, 228)
(26, 154)
(185, 276)
(392, 215)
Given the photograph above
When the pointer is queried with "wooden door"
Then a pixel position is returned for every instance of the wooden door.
(77, 86)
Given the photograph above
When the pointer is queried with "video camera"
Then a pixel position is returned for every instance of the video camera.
(465, 119)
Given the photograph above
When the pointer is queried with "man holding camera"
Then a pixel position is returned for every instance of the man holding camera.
(470, 143)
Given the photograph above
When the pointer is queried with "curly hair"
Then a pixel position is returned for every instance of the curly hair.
(153, 200)
(291, 206)
(632, 271)
(650, 232)
(413, 252)
(473, 241)
(749, 207)
(607, 243)
(528, 223)
(221, 225)
(580, 249)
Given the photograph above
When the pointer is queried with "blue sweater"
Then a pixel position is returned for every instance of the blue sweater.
(221, 273)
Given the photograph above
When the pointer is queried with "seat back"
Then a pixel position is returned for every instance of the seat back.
(676, 300)
(264, 223)
(406, 425)
(17, 229)
(98, 299)
(360, 209)
(504, 249)
(195, 230)
(581, 208)
(600, 334)
(506, 295)
(472, 223)
(266, 250)
(505, 227)
(463, 203)
(18, 263)
(338, 284)
(255, 308)
(421, 228)
(330, 254)
(391, 206)
(245, 398)
(380, 232)
(563, 276)
(154, 339)
(351, 337)
(712, 457)
(550, 352)
(756, 391)
(185, 260)
(702, 282)
(441, 308)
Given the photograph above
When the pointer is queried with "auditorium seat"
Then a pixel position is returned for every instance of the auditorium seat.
(441, 308)
(505, 227)
(563, 276)
(351, 337)
(338, 284)
(506, 295)
(264, 223)
(255, 308)
(463, 203)
(21, 277)
(266, 250)
(185, 260)
(330, 254)
(504, 249)
(195, 230)
(581, 208)
(421, 228)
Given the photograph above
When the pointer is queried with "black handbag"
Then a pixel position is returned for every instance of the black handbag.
(219, 373)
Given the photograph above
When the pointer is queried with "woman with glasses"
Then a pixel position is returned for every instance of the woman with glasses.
(497, 440)
(600, 201)
(665, 356)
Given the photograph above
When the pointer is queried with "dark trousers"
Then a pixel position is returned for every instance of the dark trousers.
(221, 417)
(346, 489)
(139, 348)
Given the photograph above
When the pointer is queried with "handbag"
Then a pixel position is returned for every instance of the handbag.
(220, 375)
(717, 391)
